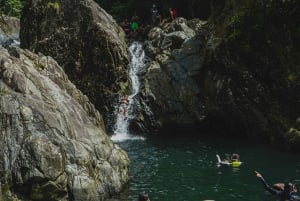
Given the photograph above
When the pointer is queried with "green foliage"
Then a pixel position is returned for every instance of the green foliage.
(11, 7)
(265, 36)
(116, 8)
(121, 9)
(292, 77)
(233, 28)
(55, 6)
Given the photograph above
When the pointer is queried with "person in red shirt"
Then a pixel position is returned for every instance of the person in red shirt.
(173, 13)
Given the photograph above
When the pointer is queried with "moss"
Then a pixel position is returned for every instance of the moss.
(292, 77)
(5, 188)
(124, 86)
(39, 66)
(6, 193)
(3, 92)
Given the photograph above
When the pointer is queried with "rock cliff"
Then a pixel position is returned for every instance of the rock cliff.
(228, 75)
(53, 141)
(85, 40)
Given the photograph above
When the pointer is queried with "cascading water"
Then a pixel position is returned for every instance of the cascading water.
(136, 65)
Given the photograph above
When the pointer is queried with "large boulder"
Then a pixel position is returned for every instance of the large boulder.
(53, 141)
(85, 40)
(171, 89)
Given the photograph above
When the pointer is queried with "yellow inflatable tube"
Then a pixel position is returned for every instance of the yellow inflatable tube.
(236, 163)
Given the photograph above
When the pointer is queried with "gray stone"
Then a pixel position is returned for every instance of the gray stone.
(53, 140)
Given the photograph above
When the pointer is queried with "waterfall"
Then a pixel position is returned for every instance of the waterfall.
(136, 65)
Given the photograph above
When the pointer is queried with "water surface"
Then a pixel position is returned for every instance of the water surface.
(185, 169)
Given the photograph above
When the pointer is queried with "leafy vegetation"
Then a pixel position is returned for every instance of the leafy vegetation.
(263, 39)
(54, 5)
(121, 9)
(11, 7)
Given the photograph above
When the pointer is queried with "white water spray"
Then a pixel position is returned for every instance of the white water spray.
(136, 65)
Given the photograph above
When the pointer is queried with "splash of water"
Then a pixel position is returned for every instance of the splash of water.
(136, 65)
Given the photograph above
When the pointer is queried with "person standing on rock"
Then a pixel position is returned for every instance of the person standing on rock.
(155, 16)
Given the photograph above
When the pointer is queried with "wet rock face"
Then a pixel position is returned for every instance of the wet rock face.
(9, 31)
(53, 141)
(85, 40)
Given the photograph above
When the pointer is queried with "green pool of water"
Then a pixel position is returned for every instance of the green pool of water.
(186, 169)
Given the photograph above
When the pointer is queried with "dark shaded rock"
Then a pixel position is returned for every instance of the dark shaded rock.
(84, 40)
(231, 76)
